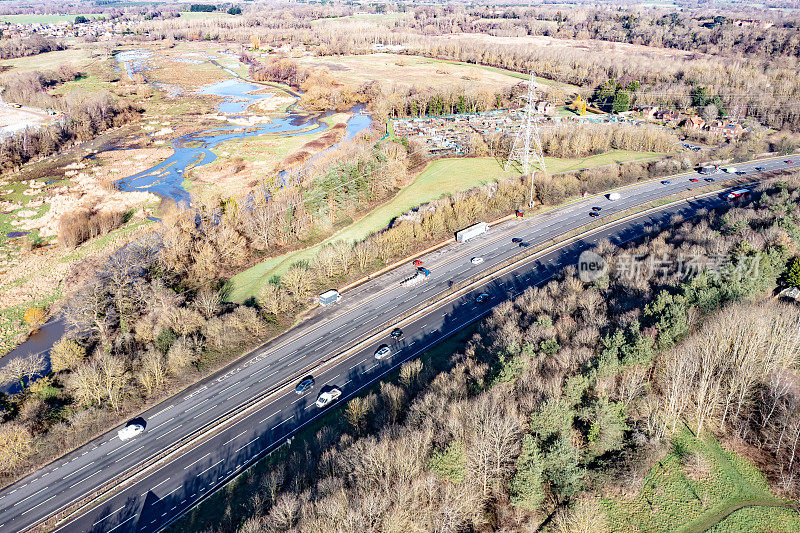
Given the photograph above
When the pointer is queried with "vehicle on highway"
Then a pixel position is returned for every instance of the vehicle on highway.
(594, 214)
(741, 172)
(396, 333)
(614, 196)
(419, 276)
(130, 431)
(482, 297)
(471, 232)
(759, 169)
(597, 208)
(709, 179)
(516, 240)
(693, 180)
(708, 169)
(730, 170)
(383, 352)
(738, 193)
(328, 397)
(789, 161)
(524, 244)
(476, 260)
(665, 182)
(304, 385)
(417, 263)
(329, 297)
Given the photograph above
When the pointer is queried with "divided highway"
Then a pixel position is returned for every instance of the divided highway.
(169, 489)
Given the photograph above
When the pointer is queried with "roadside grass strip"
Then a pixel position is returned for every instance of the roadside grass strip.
(696, 486)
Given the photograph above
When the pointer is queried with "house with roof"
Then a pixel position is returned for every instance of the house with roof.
(693, 122)
(729, 130)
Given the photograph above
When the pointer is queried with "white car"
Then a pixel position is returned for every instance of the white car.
(130, 431)
(328, 397)
(383, 352)
(476, 260)
(614, 196)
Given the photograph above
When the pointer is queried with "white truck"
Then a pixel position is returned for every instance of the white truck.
(420, 276)
(329, 297)
(473, 231)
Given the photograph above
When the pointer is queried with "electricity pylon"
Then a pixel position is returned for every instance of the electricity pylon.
(527, 149)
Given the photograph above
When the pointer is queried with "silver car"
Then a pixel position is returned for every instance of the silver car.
(383, 352)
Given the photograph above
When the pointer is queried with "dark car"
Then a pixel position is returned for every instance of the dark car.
(594, 214)
(709, 179)
(759, 169)
(665, 182)
(516, 239)
(596, 208)
(396, 333)
(304, 385)
(482, 297)
(789, 161)
(741, 172)
(693, 179)
(524, 244)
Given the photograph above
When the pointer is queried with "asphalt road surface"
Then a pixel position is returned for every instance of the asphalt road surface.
(170, 489)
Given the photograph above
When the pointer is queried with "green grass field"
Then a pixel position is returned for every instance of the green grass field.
(440, 178)
(697, 486)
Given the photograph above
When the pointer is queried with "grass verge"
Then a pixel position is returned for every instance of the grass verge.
(440, 178)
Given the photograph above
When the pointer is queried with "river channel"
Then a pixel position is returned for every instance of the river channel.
(193, 150)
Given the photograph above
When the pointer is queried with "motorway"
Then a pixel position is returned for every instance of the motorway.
(172, 487)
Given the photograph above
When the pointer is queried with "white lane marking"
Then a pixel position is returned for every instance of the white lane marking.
(31, 496)
(196, 405)
(87, 477)
(162, 411)
(155, 487)
(243, 447)
(167, 494)
(115, 527)
(204, 412)
(281, 422)
(270, 375)
(78, 470)
(129, 453)
(210, 467)
(196, 461)
(109, 514)
(38, 504)
(168, 432)
(234, 438)
(270, 416)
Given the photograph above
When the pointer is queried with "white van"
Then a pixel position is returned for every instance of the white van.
(614, 196)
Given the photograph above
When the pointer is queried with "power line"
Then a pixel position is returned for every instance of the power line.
(527, 148)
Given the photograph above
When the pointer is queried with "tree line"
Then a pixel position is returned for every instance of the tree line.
(28, 46)
(83, 115)
(562, 395)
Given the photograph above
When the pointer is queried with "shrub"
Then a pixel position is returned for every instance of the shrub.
(65, 355)
(34, 316)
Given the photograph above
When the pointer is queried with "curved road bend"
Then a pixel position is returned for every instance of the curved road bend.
(174, 487)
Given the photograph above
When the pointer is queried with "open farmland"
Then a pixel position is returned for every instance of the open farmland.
(410, 71)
